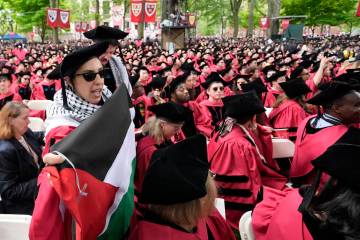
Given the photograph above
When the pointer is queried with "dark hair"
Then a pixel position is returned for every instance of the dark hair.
(339, 208)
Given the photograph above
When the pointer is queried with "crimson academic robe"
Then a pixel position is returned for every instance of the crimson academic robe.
(8, 97)
(207, 116)
(24, 91)
(45, 90)
(213, 227)
(277, 217)
(240, 172)
(269, 97)
(288, 115)
(309, 146)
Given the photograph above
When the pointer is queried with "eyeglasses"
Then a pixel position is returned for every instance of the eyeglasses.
(90, 76)
(218, 88)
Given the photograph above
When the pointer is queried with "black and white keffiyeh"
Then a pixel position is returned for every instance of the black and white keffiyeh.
(79, 108)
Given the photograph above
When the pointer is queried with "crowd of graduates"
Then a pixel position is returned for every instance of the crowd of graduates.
(205, 117)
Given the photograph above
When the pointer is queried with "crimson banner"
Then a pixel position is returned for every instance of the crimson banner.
(84, 26)
(64, 18)
(77, 26)
(285, 24)
(150, 11)
(117, 14)
(264, 23)
(358, 10)
(52, 17)
(136, 11)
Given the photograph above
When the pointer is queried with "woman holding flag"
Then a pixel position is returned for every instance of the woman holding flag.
(89, 173)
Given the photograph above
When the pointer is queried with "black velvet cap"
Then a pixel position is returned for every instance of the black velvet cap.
(189, 67)
(341, 160)
(295, 87)
(242, 105)
(266, 69)
(177, 81)
(257, 85)
(170, 111)
(331, 91)
(177, 174)
(276, 75)
(297, 72)
(74, 60)
(157, 83)
(104, 33)
(213, 77)
(26, 73)
(55, 74)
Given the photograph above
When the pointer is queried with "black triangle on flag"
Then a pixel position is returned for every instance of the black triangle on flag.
(95, 143)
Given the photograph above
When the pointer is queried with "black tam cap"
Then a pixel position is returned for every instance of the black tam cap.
(157, 83)
(6, 76)
(177, 174)
(177, 81)
(213, 77)
(55, 74)
(276, 75)
(331, 91)
(341, 160)
(297, 72)
(73, 61)
(170, 111)
(242, 105)
(257, 85)
(105, 33)
(295, 87)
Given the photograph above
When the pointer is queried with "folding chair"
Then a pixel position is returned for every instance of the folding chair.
(38, 104)
(245, 227)
(36, 124)
(14, 227)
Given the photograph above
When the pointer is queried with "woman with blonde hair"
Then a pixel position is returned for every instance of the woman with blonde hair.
(20, 160)
(178, 196)
(158, 131)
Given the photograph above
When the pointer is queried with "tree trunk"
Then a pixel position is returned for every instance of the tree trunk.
(141, 24)
(43, 29)
(274, 11)
(97, 12)
(251, 5)
(235, 7)
(124, 17)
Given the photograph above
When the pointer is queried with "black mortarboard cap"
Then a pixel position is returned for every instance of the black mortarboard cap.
(266, 69)
(331, 91)
(242, 105)
(189, 67)
(6, 76)
(306, 64)
(177, 174)
(170, 111)
(104, 33)
(295, 87)
(341, 160)
(213, 77)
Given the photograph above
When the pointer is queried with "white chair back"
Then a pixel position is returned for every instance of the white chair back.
(36, 124)
(220, 206)
(283, 148)
(38, 104)
(245, 227)
(14, 227)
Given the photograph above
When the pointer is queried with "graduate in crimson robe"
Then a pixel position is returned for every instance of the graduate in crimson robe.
(290, 110)
(338, 101)
(274, 89)
(23, 88)
(178, 196)
(328, 212)
(239, 157)
(208, 118)
(6, 94)
(46, 89)
(159, 131)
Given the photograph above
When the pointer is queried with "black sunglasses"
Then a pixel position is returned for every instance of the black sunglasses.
(218, 88)
(90, 76)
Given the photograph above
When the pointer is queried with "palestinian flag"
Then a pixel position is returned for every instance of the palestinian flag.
(94, 185)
